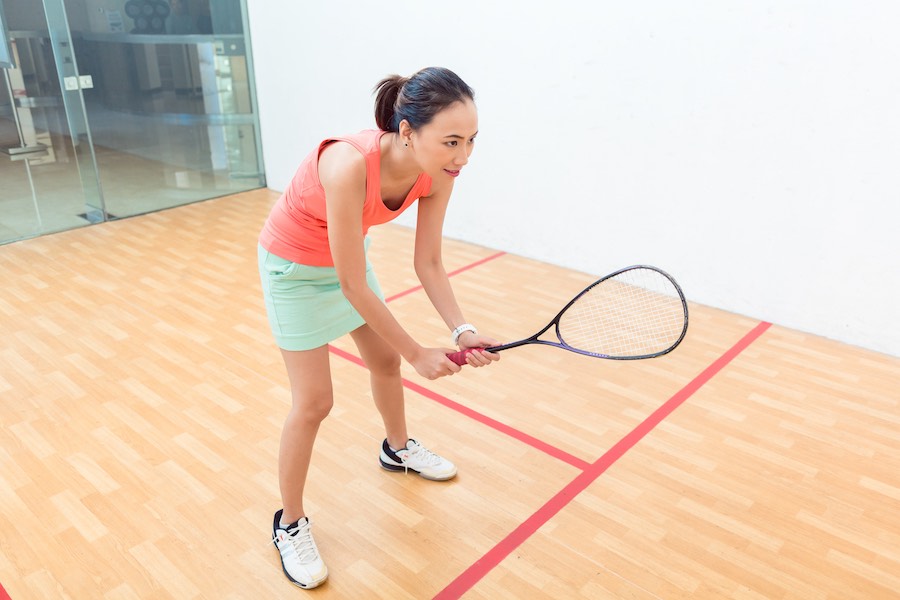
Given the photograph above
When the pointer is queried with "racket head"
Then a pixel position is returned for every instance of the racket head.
(634, 313)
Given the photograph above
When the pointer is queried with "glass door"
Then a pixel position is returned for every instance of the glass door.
(47, 165)
(173, 106)
(117, 108)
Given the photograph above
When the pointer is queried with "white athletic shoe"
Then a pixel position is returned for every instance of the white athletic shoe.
(300, 558)
(417, 458)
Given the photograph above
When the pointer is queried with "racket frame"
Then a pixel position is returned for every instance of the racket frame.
(535, 339)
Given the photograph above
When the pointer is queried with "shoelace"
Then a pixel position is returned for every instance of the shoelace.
(422, 455)
(304, 545)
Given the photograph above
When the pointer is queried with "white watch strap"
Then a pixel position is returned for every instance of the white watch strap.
(462, 329)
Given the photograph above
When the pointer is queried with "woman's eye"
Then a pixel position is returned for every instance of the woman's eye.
(452, 143)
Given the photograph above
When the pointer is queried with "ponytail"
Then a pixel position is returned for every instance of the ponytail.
(387, 92)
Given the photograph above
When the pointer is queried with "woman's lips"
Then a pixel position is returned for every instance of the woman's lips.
(452, 173)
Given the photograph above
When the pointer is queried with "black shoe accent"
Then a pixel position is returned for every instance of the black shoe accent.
(386, 448)
(276, 525)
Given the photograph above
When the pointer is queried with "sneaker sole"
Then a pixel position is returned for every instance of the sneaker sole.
(400, 469)
(303, 586)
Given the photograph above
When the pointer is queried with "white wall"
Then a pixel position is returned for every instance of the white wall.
(752, 149)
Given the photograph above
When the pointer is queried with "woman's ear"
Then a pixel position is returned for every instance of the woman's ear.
(405, 131)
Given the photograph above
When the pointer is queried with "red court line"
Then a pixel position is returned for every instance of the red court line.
(501, 427)
(450, 274)
(486, 563)
(477, 416)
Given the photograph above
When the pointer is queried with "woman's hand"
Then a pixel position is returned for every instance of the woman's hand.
(478, 357)
(432, 363)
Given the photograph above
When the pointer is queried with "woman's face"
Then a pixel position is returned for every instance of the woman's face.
(442, 147)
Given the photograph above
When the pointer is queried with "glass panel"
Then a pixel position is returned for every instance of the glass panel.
(19, 214)
(5, 51)
(157, 95)
(71, 85)
(43, 182)
(172, 108)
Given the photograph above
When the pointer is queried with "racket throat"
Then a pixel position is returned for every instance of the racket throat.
(511, 345)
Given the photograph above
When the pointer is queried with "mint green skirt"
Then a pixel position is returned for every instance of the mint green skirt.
(305, 305)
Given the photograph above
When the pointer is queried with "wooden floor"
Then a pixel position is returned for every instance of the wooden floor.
(141, 399)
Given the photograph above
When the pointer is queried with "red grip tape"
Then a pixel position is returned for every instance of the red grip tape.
(460, 357)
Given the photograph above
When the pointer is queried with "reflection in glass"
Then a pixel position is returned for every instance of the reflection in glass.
(168, 96)
(43, 185)
(172, 108)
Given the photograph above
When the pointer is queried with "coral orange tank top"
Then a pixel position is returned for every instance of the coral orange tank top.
(297, 228)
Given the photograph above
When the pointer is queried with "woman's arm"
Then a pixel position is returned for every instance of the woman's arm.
(430, 270)
(342, 172)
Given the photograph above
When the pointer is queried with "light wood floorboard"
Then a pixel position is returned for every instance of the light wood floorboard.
(141, 399)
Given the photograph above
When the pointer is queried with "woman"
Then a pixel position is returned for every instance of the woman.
(319, 285)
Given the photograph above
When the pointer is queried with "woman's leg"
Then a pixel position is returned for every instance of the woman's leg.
(309, 373)
(383, 363)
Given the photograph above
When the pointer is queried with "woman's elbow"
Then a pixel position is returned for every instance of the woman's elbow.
(425, 268)
(354, 291)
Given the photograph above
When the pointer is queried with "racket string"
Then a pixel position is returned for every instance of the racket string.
(637, 312)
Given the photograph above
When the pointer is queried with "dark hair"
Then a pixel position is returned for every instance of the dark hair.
(417, 98)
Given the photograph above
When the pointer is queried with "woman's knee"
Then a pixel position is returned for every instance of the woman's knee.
(384, 363)
(312, 408)
(380, 358)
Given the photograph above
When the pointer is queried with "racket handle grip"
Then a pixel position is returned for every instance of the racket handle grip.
(460, 357)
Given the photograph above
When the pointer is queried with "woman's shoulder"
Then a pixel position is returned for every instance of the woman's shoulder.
(349, 154)
(366, 141)
(339, 161)
(366, 137)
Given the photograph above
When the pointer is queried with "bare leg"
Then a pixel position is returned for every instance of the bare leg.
(383, 363)
(312, 397)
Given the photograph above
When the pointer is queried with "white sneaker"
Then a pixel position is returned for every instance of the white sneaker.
(418, 459)
(300, 558)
